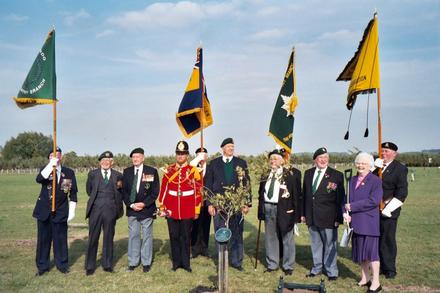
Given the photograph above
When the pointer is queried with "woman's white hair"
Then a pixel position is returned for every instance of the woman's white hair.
(365, 158)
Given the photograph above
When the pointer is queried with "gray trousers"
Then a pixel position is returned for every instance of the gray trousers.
(137, 250)
(272, 241)
(324, 250)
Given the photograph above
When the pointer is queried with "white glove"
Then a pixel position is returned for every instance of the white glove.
(296, 230)
(197, 159)
(391, 207)
(72, 207)
(378, 163)
(49, 167)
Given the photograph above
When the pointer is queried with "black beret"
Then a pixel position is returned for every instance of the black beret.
(319, 152)
(182, 147)
(137, 151)
(200, 150)
(279, 152)
(389, 145)
(106, 154)
(227, 141)
(51, 151)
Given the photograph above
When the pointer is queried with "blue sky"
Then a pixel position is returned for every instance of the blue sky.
(122, 68)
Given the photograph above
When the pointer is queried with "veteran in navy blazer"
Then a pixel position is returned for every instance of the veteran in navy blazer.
(362, 211)
(395, 187)
(141, 188)
(279, 206)
(52, 227)
(323, 190)
(104, 207)
(222, 172)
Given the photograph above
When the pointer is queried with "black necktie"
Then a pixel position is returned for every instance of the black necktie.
(271, 186)
(105, 176)
(134, 187)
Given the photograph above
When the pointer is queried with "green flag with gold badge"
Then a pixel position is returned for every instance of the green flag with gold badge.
(40, 84)
(281, 124)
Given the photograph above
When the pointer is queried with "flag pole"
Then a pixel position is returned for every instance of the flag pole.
(54, 170)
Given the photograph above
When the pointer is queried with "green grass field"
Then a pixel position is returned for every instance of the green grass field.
(418, 250)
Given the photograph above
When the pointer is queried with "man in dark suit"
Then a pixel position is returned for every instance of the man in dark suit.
(323, 190)
(52, 226)
(279, 206)
(222, 172)
(395, 191)
(140, 188)
(104, 206)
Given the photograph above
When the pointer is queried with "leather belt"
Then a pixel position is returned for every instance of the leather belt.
(180, 193)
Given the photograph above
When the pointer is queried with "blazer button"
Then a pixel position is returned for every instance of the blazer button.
(313, 197)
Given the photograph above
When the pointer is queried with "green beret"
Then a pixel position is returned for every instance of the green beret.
(319, 152)
(137, 151)
(227, 141)
(279, 152)
(51, 151)
(106, 154)
(389, 145)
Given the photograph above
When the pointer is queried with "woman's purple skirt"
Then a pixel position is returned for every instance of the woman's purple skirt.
(364, 248)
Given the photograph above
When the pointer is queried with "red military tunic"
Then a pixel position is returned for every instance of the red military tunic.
(180, 194)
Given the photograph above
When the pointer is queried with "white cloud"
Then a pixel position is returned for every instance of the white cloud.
(16, 18)
(170, 15)
(268, 11)
(104, 33)
(71, 18)
(268, 34)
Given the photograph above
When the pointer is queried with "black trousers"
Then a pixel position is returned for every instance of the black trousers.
(200, 233)
(388, 245)
(105, 219)
(180, 240)
(48, 232)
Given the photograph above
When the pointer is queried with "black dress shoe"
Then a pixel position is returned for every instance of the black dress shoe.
(288, 272)
(40, 273)
(332, 278)
(90, 272)
(367, 284)
(131, 268)
(189, 270)
(238, 268)
(269, 270)
(378, 289)
(390, 275)
(311, 275)
(146, 269)
(108, 270)
(64, 271)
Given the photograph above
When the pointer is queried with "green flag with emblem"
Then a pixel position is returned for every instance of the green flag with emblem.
(40, 84)
(281, 124)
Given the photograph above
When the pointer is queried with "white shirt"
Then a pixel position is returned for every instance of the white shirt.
(386, 165)
(276, 187)
(109, 172)
(225, 157)
(140, 168)
(321, 175)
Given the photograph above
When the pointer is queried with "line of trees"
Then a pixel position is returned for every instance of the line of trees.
(29, 150)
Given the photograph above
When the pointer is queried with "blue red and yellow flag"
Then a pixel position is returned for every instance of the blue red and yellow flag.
(195, 110)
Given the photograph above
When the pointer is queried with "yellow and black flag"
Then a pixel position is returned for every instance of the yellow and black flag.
(195, 110)
(281, 124)
(40, 84)
(363, 69)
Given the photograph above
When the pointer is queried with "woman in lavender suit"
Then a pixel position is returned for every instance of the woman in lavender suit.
(363, 213)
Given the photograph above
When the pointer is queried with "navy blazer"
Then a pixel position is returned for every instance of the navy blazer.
(324, 207)
(364, 203)
(289, 200)
(395, 184)
(43, 205)
(148, 192)
(215, 176)
(93, 180)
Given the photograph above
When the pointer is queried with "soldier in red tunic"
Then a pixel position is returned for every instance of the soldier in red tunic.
(180, 200)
